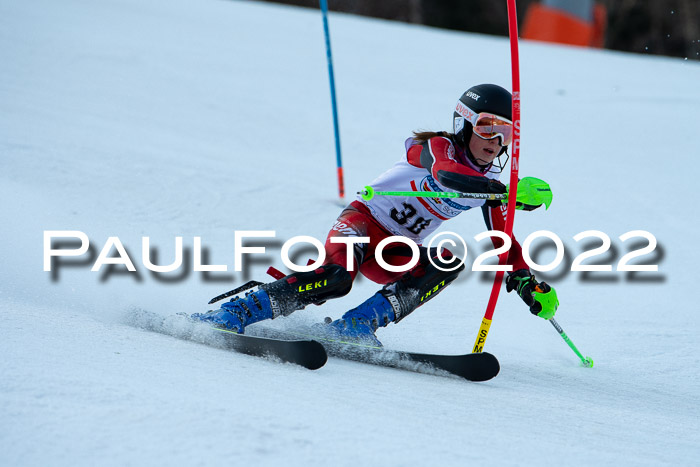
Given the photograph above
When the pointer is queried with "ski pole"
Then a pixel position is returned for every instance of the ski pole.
(368, 193)
(532, 192)
(586, 361)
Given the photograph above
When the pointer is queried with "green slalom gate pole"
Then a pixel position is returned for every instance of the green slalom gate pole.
(586, 361)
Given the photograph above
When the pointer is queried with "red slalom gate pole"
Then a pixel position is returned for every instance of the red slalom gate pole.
(514, 167)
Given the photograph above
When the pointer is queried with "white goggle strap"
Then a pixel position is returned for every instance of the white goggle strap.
(466, 112)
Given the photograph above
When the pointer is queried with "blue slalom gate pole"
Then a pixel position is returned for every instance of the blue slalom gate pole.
(329, 56)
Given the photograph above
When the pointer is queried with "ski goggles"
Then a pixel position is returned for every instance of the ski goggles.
(489, 126)
(485, 125)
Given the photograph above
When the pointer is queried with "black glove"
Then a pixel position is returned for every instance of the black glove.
(533, 293)
(526, 207)
(494, 186)
(470, 183)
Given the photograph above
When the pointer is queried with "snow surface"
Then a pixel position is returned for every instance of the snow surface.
(135, 118)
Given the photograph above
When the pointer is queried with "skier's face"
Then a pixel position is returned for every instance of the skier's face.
(484, 150)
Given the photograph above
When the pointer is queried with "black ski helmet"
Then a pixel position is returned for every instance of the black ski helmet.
(489, 98)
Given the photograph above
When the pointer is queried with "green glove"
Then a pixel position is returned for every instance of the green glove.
(532, 193)
(539, 296)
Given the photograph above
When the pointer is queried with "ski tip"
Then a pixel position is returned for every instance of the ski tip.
(317, 357)
(487, 368)
(494, 367)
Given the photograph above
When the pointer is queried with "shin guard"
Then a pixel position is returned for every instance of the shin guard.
(296, 291)
(417, 287)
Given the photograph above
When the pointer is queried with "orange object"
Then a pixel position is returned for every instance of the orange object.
(600, 23)
(543, 23)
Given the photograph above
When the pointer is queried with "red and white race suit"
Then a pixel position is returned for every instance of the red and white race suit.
(416, 218)
(412, 217)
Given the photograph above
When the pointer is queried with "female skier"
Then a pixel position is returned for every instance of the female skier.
(467, 160)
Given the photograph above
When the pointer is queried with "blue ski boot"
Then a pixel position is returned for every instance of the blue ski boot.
(360, 323)
(280, 298)
(239, 312)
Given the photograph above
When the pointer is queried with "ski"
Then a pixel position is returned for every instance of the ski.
(304, 352)
(473, 366)
(303, 348)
